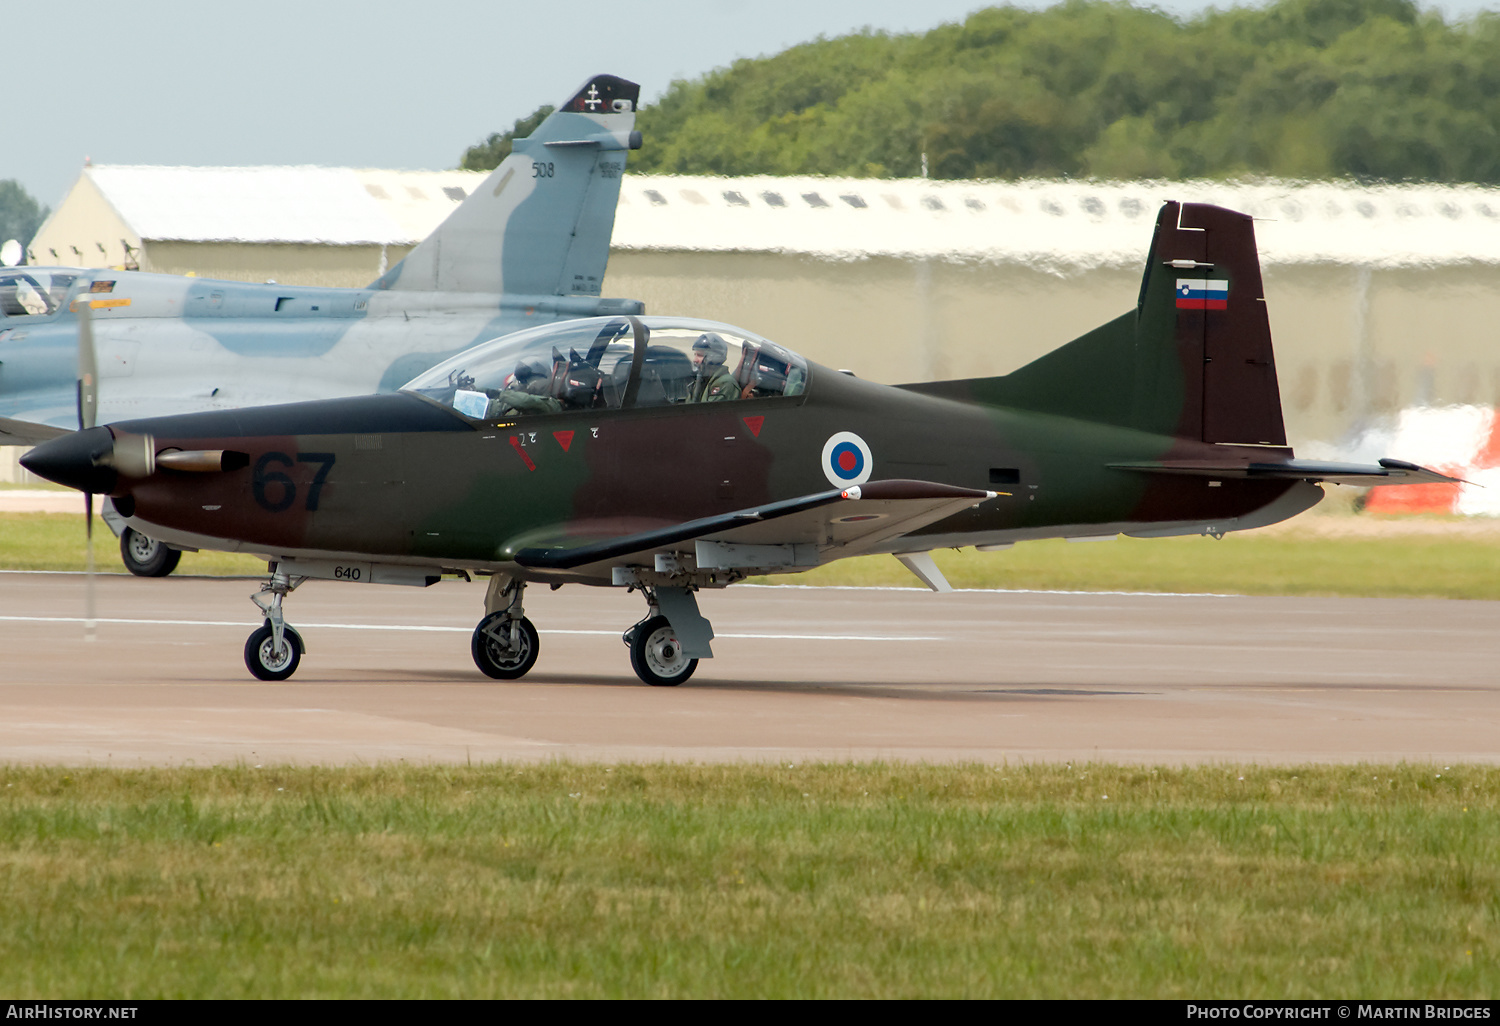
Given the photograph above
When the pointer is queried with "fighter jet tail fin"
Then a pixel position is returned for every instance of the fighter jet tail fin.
(1193, 359)
(540, 224)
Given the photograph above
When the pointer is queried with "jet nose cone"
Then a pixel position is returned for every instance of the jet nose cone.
(74, 460)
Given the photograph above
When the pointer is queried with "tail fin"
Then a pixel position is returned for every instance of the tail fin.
(540, 224)
(1193, 360)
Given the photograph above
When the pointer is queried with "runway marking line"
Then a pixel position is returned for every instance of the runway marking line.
(1418, 690)
(453, 630)
(743, 587)
(978, 591)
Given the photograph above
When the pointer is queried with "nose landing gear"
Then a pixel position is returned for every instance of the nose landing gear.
(505, 644)
(273, 650)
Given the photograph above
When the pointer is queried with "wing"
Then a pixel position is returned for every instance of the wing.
(26, 432)
(1388, 472)
(790, 534)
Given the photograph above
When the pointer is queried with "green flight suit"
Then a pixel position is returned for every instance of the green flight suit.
(714, 389)
(525, 402)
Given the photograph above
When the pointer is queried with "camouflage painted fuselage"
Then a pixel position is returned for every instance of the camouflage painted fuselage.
(400, 479)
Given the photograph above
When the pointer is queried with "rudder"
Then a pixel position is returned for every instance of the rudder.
(1193, 360)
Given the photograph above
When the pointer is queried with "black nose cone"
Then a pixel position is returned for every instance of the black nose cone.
(74, 459)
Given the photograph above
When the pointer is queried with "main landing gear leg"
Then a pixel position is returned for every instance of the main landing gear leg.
(505, 643)
(273, 650)
(660, 644)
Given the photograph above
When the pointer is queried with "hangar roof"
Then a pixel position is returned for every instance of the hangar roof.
(1061, 224)
(1057, 224)
(327, 205)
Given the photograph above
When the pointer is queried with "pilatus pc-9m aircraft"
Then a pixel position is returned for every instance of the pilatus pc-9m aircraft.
(528, 246)
(672, 456)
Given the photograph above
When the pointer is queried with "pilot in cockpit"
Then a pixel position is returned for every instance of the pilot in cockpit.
(712, 381)
(527, 391)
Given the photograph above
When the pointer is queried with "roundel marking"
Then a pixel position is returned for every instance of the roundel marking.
(847, 460)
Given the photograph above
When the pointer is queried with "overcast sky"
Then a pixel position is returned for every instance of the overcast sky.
(371, 83)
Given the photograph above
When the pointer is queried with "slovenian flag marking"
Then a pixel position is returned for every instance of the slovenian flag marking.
(1202, 294)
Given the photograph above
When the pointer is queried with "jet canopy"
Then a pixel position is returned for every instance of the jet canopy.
(600, 363)
(34, 292)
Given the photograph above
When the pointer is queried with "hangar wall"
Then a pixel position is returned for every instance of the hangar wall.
(85, 230)
(288, 263)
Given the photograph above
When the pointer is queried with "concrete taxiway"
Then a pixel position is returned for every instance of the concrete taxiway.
(800, 674)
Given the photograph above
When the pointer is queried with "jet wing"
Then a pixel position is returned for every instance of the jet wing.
(1388, 472)
(26, 432)
(801, 532)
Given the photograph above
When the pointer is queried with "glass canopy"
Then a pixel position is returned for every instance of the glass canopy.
(602, 363)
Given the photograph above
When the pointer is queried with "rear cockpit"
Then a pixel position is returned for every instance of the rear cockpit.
(606, 363)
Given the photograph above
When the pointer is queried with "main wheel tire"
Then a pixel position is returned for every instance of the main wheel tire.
(147, 557)
(500, 660)
(261, 659)
(657, 657)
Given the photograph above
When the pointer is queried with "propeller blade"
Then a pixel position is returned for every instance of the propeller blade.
(88, 585)
(88, 409)
(88, 367)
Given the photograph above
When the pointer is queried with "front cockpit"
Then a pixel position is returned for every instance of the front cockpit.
(34, 292)
(609, 363)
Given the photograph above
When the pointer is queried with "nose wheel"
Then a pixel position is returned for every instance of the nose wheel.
(505, 644)
(656, 655)
(505, 648)
(273, 650)
(262, 657)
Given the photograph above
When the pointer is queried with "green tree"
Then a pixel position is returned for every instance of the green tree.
(20, 214)
(1375, 89)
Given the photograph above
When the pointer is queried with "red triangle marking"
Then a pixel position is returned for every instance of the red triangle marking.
(564, 438)
(754, 423)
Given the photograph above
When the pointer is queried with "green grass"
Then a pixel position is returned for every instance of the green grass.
(1463, 566)
(1248, 564)
(56, 541)
(736, 881)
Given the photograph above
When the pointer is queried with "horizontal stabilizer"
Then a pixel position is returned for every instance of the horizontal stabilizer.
(849, 520)
(1388, 472)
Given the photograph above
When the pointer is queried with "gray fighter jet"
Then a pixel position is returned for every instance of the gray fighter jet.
(528, 246)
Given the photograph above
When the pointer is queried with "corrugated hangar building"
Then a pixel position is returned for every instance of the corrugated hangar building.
(299, 225)
(1381, 298)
